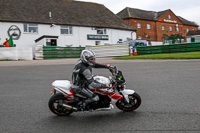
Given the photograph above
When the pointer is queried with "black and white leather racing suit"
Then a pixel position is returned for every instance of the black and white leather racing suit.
(82, 80)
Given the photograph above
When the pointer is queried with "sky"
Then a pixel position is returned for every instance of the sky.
(188, 9)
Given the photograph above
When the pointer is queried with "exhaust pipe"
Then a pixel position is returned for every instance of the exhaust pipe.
(70, 107)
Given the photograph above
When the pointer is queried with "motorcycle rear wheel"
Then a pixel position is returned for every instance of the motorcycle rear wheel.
(56, 105)
(134, 103)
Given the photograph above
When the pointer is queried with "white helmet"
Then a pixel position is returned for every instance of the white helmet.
(86, 57)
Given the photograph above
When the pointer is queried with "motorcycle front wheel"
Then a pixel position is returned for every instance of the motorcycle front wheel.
(56, 105)
(134, 103)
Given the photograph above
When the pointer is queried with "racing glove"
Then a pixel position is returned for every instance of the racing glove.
(109, 66)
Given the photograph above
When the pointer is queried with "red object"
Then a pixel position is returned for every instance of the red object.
(131, 51)
(71, 90)
(110, 94)
(6, 44)
(135, 51)
(68, 96)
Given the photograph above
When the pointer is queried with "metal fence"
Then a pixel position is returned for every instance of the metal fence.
(53, 52)
(173, 48)
(110, 50)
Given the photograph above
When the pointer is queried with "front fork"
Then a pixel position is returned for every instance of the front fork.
(126, 94)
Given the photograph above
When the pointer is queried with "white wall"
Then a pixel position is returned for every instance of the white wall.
(79, 36)
(197, 38)
(188, 39)
(13, 53)
(8, 53)
(155, 43)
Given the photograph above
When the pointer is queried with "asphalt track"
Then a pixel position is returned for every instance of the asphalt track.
(169, 90)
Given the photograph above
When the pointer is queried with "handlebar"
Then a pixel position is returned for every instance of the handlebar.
(113, 71)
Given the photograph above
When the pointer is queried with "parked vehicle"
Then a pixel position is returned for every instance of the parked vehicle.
(65, 101)
(134, 43)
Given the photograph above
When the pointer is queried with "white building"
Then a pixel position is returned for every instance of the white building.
(193, 36)
(60, 23)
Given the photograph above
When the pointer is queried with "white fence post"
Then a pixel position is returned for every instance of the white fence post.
(39, 52)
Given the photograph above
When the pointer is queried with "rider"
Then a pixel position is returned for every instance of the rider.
(82, 76)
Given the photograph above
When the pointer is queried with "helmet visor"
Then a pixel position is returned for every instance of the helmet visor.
(92, 59)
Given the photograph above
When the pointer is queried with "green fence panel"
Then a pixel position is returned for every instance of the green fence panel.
(165, 49)
(172, 48)
(53, 52)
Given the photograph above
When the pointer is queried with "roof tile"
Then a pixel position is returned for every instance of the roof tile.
(63, 12)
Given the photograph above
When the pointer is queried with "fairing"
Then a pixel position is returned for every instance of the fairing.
(126, 93)
(102, 80)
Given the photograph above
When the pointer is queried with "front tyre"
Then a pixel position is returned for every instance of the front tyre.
(134, 103)
(56, 105)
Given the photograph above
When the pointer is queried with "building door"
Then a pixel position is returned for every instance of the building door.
(97, 43)
(51, 42)
(192, 39)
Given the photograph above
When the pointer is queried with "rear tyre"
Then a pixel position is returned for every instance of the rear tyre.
(134, 103)
(56, 105)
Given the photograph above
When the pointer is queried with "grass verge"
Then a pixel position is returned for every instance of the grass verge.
(187, 55)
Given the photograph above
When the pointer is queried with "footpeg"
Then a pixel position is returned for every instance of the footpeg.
(105, 109)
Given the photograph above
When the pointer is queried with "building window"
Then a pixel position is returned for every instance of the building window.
(138, 25)
(188, 29)
(177, 29)
(148, 26)
(30, 28)
(169, 16)
(163, 27)
(170, 28)
(66, 30)
(101, 31)
(139, 38)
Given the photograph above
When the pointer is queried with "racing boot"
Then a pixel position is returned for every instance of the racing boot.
(91, 97)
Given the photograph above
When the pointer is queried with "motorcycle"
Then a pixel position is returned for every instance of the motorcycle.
(65, 101)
